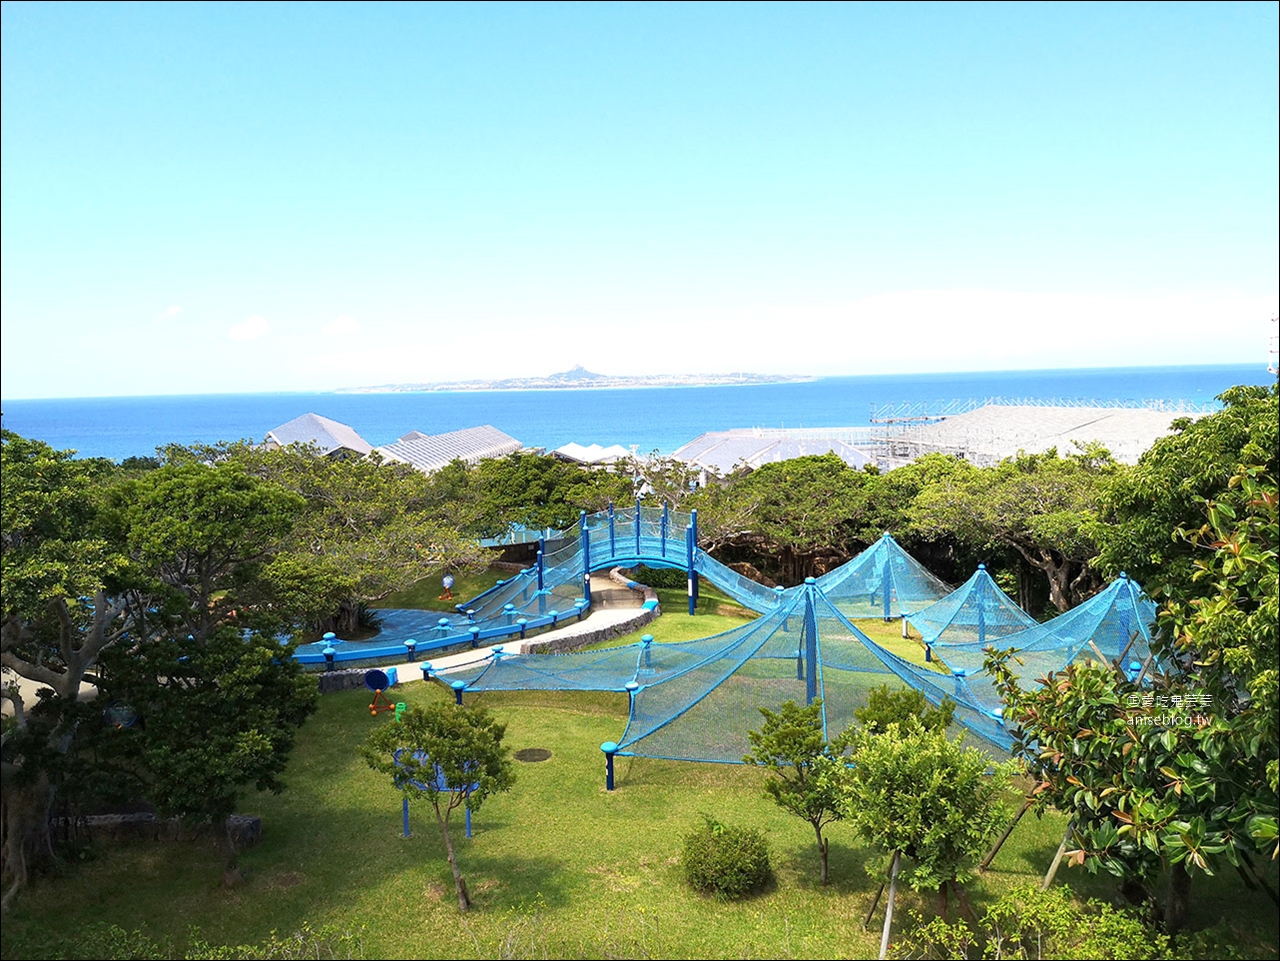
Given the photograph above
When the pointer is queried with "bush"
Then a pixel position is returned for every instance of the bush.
(664, 577)
(1030, 925)
(727, 861)
(886, 706)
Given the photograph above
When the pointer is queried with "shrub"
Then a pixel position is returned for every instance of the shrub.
(664, 577)
(1028, 925)
(727, 861)
(886, 706)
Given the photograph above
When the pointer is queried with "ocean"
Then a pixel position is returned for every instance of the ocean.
(651, 419)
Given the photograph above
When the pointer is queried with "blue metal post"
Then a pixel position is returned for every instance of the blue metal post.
(666, 520)
(637, 528)
(810, 644)
(406, 816)
(647, 641)
(542, 551)
(693, 525)
(887, 584)
(982, 610)
(688, 560)
(458, 687)
(610, 749)
(468, 822)
(411, 647)
(613, 545)
(586, 557)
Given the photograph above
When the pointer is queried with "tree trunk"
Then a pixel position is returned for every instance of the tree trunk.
(1179, 904)
(226, 845)
(27, 844)
(888, 910)
(942, 900)
(1057, 858)
(823, 845)
(464, 898)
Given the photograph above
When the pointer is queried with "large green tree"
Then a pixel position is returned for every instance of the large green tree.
(802, 518)
(362, 529)
(1044, 507)
(153, 590)
(58, 619)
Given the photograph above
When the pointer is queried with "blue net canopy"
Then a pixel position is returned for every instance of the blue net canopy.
(882, 581)
(1112, 626)
(977, 612)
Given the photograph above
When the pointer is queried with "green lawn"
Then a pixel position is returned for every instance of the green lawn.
(425, 595)
(558, 867)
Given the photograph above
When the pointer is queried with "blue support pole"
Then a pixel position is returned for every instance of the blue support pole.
(688, 556)
(542, 552)
(586, 558)
(982, 610)
(637, 528)
(468, 822)
(458, 687)
(887, 583)
(610, 749)
(613, 544)
(647, 641)
(666, 520)
(406, 815)
(693, 526)
(810, 645)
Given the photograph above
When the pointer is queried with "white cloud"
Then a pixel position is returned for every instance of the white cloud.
(169, 312)
(253, 328)
(342, 326)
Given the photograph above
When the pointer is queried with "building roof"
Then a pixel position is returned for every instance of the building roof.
(592, 453)
(429, 452)
(326, 434)
(993, 432)
(724, 450)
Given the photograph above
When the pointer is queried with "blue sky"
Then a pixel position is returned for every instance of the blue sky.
(205, 198)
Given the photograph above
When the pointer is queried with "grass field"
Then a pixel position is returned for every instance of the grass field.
(558, 867)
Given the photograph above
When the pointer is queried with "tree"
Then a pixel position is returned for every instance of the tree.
(792, 745)
(58, 618)
(362, 529)
(1180, 772)
(1042, 506)
(1168, 487)
(153, 589)
(540, 492)
(803, 515)
(917, 794)
(448, 755)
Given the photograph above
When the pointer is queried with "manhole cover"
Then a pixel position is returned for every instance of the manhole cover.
(532, 754)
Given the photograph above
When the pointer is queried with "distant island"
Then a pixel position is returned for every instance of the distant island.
(579, 378)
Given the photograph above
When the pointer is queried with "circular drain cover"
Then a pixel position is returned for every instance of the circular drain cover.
(532, 754)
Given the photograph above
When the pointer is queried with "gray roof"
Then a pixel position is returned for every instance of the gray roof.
(994, 432)
(328, 435)
(430, 453)
(592, 453)
(724, 450)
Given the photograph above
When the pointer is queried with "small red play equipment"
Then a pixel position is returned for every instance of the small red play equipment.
(379, 682)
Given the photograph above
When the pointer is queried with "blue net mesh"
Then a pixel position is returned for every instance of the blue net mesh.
(977, 612)
(1112, 623)
(882, 581)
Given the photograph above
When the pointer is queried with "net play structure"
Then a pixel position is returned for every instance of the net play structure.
(696, 700)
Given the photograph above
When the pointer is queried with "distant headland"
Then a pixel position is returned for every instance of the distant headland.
(579, 378)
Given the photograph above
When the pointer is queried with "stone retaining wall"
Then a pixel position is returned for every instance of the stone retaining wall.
(246, 829)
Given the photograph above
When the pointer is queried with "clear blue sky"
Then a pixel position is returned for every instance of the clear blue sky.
(254, 197)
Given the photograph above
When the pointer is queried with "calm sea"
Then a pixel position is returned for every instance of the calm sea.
(652, 419)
